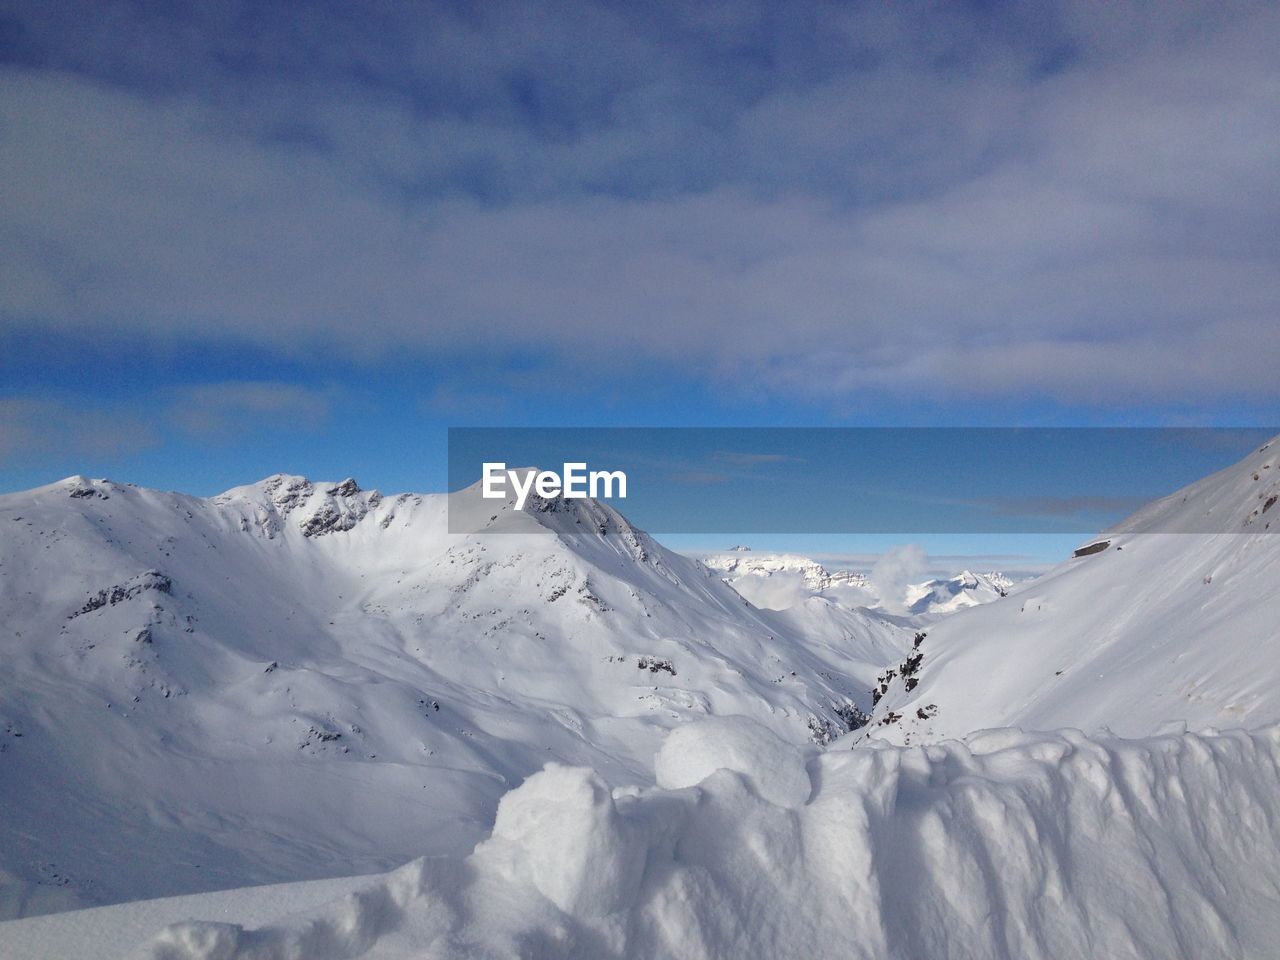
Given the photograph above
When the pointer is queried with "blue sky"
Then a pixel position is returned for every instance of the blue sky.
(1013, 495)
(240, 238)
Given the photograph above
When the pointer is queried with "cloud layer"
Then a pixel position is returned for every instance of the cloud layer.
(1066, 201)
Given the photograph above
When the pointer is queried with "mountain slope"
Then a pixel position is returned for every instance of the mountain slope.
(1169, 617)
(297, 679)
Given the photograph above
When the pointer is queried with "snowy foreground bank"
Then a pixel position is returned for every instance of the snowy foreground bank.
(1009, 845)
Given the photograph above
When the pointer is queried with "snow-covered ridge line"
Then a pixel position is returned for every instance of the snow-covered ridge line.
(780, 580)
(1009, 846)
(816, 577)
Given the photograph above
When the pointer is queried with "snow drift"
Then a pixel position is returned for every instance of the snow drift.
(1011, 846)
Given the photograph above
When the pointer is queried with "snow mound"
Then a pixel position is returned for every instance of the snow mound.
(562, 832)
(695, 751)
(1053, 846)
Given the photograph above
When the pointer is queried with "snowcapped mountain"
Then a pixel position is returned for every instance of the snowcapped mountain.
(299, 679)
(814, 575)
(1171, 616)
(781, 580)
(955, 593)
(415, 677)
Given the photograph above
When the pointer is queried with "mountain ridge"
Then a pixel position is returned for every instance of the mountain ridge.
(293, 645)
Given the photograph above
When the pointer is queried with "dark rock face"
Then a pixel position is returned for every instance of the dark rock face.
(654, 664)
(908, 669)
(85, 490)
(328, 519)
(1092, 548)
(852, 715)
(149, 580)
(288, 492)
(347, 488)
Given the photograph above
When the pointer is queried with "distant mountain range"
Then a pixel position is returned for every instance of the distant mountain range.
(745, 569)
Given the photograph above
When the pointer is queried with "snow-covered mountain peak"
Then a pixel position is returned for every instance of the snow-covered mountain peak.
(1001, 580)
(80, 487)
(283, 501)
(778, 580)
(576, 518)
(741, 562)
(965, 589)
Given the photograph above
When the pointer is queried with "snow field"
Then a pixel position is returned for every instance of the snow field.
(1012, 845)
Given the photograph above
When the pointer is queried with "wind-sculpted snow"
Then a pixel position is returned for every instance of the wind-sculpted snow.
(1009, 846)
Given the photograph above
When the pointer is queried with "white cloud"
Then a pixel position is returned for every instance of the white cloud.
(1102, 233)
(239, 407)
(73, 429)
(53, 426)
(894, 571)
